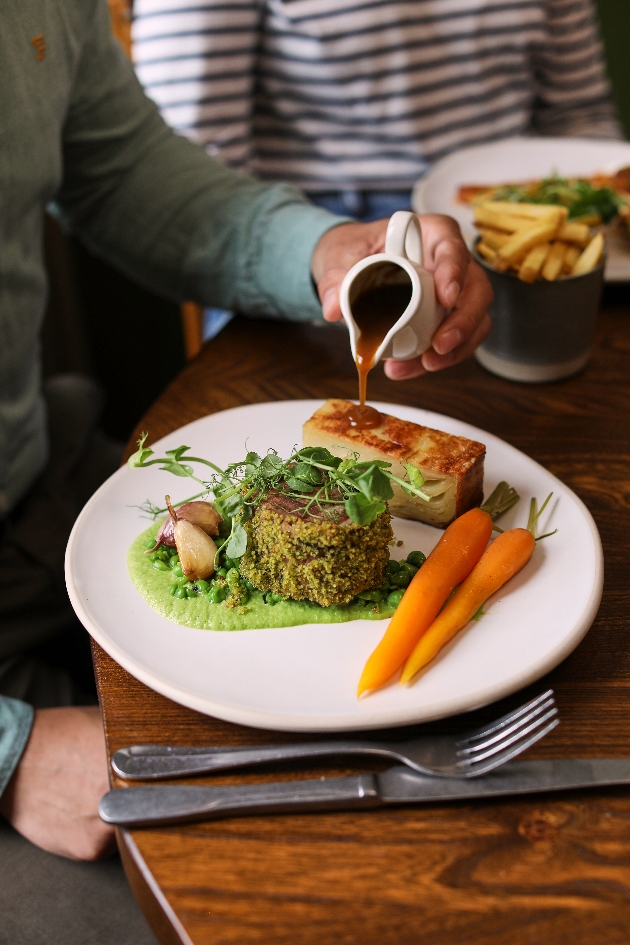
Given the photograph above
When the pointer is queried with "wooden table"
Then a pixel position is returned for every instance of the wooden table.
(551, 869)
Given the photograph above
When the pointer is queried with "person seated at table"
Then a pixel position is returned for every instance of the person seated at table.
(79, 131)
(354, 102)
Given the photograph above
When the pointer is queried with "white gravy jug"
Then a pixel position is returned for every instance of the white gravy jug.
(399, 265)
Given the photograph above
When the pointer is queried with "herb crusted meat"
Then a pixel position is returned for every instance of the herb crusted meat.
(303, 552)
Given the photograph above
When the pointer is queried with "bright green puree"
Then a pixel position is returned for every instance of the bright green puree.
(199, 613)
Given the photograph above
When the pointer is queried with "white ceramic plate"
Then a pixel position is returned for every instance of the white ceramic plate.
(523, 159)
(304, 678)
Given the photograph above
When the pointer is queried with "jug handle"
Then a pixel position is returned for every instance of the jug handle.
(404, 236)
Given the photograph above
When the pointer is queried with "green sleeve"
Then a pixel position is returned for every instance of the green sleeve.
(16, 719)
(163, 211)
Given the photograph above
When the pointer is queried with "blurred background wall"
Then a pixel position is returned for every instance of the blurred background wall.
(614, 18)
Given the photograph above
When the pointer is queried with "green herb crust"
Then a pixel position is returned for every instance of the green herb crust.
(200, 614)
(323, 561)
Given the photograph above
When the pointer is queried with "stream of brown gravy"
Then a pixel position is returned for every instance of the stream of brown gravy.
(374, 312)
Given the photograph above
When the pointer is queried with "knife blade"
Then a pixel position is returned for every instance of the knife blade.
(169, 804)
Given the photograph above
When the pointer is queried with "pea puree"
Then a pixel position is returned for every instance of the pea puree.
(200, 614)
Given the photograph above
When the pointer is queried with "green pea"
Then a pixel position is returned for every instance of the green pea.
(375, 596)
(216, 594)
(172, 589)
(416, 558)
(392, 566)
(180, 593)
(182, 581)
(273, 598)
(177, 570)
(248, 584)
(230, 563)
(222, 571)
(401, 579)
(190, 591)
(395, 598)
(244, 597)
(173, 561)
(233, 577)
(149, 543)
(201, 586)
(159, 565)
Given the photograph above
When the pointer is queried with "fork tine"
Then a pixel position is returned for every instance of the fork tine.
(517, 736)
(504, 720)
(506, 730)
(512, 751)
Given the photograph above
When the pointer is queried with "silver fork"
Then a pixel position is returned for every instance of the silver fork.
(453, 756)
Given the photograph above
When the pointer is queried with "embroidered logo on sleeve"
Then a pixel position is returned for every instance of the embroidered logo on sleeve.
(39, 45)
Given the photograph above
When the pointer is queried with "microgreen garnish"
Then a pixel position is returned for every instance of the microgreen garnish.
(312, 474)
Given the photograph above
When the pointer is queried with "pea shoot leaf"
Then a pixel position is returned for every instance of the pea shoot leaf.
(298, 485)
(374, 484)
(270, 466)
(237, 545)
(361, 510)
(142, 453)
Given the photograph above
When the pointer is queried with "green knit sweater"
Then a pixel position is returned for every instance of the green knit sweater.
(76, 129)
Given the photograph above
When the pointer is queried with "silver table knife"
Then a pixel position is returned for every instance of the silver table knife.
(170, 804)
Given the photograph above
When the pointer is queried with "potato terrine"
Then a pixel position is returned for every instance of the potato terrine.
(452, 466)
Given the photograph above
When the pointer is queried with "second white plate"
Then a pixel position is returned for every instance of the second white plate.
(304, 678)
(522, 159)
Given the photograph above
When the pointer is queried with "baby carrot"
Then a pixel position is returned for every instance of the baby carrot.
(452, 559)
(500, 561)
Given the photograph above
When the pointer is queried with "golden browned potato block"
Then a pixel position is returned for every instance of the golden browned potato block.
(452, 466)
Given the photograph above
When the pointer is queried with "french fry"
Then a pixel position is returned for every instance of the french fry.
(486, 251)
(577, 233)
(553, 263)
(590, 257)
(494, 238)
(570, 258)
(522, 241)
(486, 215)
(532, 211)
(533, 262)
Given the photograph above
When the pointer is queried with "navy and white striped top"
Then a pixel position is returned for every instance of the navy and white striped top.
(332, 94)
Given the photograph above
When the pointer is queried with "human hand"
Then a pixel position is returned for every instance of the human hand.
(459, 282)
(52, 798)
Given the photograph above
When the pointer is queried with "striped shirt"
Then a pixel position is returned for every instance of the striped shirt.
(335, 94)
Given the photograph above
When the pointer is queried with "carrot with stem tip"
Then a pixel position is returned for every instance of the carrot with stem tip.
(452, 559)
(500, 561)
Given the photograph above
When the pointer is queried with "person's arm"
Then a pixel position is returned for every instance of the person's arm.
(57, 774)
(157, 207)
(573, 95)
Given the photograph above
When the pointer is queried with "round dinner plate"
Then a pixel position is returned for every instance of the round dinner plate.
(304, 678)
(521, 159)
